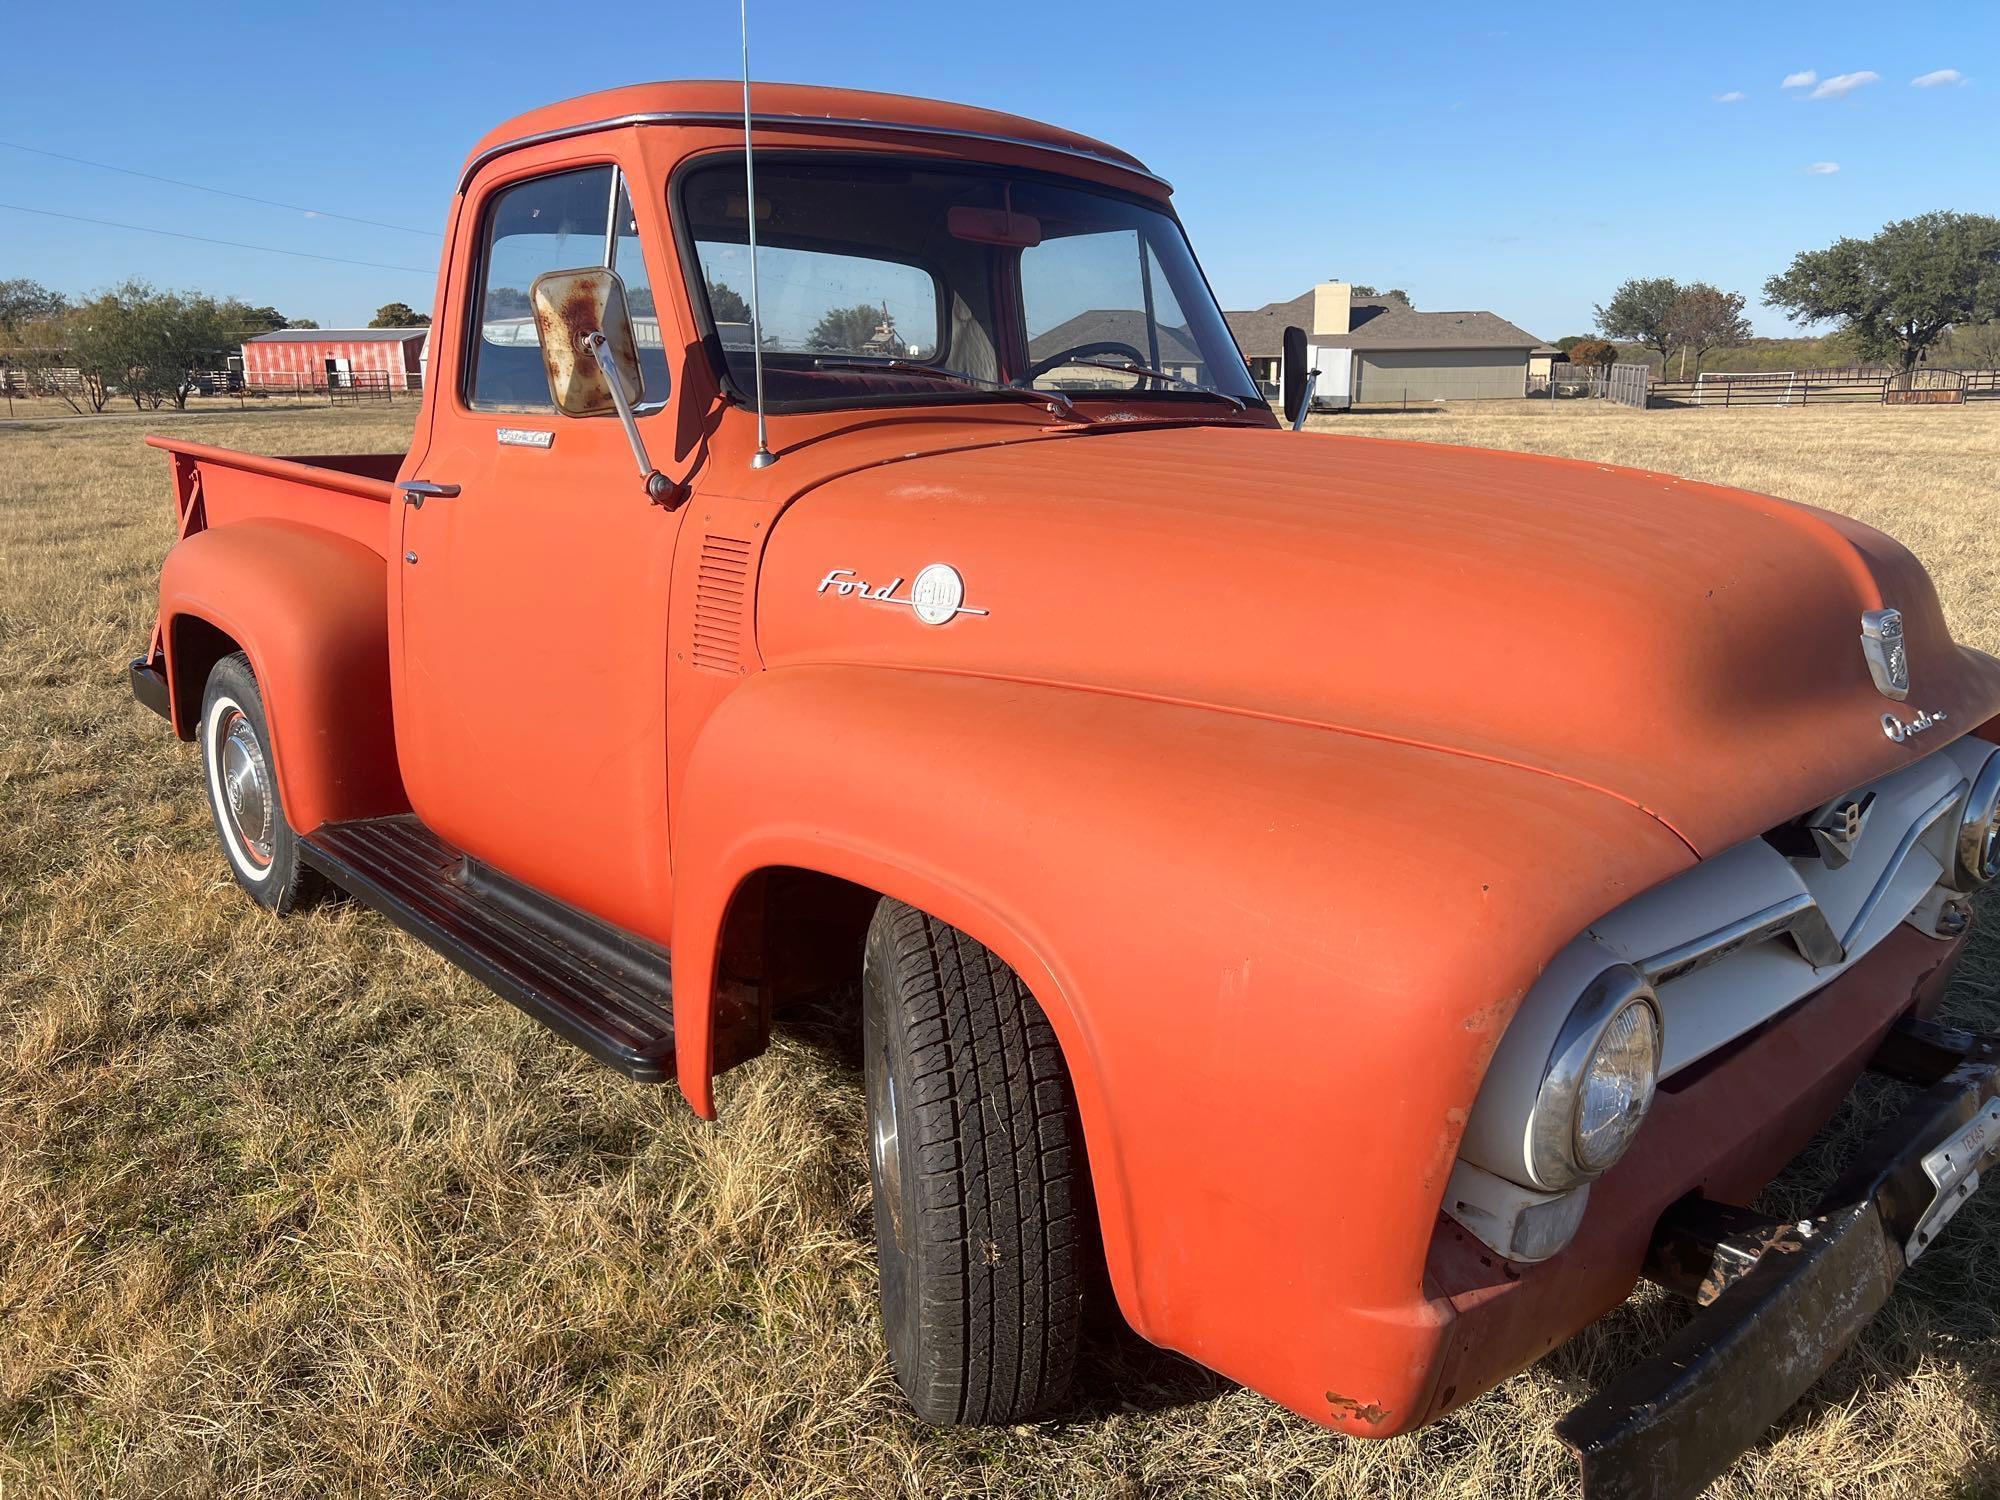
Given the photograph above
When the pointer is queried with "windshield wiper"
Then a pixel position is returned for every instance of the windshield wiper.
(1057, 403)
(1128, 368)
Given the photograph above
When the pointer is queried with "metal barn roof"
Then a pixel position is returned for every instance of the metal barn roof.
(338, 336)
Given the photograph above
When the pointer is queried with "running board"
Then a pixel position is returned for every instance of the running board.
(607, 990)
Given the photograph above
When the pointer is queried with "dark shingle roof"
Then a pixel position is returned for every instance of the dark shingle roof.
(1113, 325)
(1376, 323)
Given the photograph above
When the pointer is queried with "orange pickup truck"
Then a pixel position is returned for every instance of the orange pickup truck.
(1377, 901)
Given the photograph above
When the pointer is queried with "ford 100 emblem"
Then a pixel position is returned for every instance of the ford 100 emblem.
(937, 597)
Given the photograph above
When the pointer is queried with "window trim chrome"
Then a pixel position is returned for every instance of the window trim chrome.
(799, 122)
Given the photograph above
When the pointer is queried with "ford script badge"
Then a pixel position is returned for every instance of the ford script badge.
(937, 597)
(1882, 644)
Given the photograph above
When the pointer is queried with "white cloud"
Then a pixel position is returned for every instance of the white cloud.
(1822, 169)
(1803, 80)
(1842, 84)
(1938, 79)
(1734, 96)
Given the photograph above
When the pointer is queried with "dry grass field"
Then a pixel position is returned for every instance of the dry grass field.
(294, 1209)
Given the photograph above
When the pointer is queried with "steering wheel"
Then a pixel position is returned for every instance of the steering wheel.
(1042, 367)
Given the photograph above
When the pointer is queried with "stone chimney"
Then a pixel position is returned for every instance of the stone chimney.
(1333, 304)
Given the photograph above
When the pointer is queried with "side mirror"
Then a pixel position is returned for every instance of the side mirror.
(569, 307)
(587, 348)
(1295, 373)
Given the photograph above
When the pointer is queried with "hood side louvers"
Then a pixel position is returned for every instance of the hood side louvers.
(721, 601)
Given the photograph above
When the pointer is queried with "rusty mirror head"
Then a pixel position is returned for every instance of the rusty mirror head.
(569, 305)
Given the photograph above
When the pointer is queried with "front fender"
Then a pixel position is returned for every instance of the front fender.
(310, 609)
(1277, 957)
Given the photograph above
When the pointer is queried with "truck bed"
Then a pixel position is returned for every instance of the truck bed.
(350, 494)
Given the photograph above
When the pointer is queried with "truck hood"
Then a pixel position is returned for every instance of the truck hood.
(1693, 650)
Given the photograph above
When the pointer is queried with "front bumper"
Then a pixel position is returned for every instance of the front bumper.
(1780, 1301)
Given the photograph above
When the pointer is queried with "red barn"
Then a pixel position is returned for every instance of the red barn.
(324, 356)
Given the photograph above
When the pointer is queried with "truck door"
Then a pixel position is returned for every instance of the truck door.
(532, 581)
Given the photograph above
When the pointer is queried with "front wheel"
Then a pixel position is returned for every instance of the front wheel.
(243, 795)
(981, 1207)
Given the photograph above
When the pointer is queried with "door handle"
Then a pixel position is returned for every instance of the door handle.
(417, 491)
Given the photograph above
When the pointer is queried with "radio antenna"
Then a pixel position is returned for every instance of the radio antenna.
(763, 458)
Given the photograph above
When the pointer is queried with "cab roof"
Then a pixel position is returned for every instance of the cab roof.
(713, 100)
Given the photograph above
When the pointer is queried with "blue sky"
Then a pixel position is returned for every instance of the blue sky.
(1520, 158)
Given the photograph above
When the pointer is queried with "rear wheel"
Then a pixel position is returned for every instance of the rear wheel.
(981, 1209)
(237, 768)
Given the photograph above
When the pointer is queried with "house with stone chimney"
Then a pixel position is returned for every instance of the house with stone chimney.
(1379, 351)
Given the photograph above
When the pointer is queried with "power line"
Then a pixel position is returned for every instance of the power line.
(49, 213)
(318, 213)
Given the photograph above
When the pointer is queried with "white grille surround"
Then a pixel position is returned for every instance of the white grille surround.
(1738, 939)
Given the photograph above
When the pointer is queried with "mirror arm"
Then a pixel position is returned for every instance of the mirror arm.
(1305, 401)
(659, 489)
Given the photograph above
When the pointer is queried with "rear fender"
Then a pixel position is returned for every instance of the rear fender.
(310, 609)
(1277, 959)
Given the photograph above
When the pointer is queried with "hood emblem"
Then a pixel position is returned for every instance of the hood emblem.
(937, 596)
(1882, 644)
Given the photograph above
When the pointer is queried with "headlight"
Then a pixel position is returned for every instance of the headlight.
(1599, 1081)
(1978, 858)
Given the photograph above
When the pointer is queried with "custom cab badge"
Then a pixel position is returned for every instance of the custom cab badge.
(937, 597)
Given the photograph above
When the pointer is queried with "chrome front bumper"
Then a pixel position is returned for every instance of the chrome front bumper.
(1779, 1301)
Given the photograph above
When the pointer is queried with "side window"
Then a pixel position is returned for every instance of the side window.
(546, 224)
(629, 261)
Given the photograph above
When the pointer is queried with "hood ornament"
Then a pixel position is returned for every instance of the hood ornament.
(1882, 644)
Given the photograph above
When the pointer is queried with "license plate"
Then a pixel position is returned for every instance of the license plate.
(1953, 1169)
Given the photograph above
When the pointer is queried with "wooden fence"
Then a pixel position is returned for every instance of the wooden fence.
(1862, 385)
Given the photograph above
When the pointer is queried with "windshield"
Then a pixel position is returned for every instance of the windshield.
(885, 282)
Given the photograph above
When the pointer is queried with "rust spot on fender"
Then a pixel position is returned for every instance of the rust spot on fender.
(1347, 1406)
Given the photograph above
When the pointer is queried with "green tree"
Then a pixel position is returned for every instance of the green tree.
(399, 315)
(1703, 318)
(24, 301)
(250, 321)
(1395, 291)
(1569, 341)
(303, 323)
(727, 304)
(1639, 311)
(1898, 293)
(848, 330)
(150, 343)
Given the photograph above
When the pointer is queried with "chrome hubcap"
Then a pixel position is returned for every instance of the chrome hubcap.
(888, 1159)
(246, 786)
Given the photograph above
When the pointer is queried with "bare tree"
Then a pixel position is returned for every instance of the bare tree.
(1977, 344)
(1702, 318)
